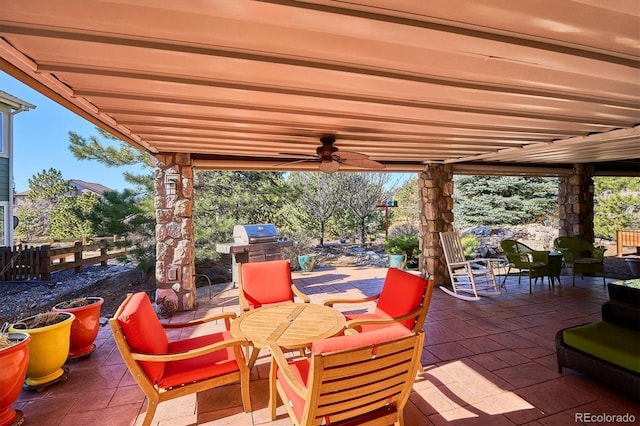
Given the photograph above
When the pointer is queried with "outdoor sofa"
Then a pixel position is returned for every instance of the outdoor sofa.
(607, 350)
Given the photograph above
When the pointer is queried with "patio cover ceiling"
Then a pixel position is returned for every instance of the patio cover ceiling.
(487, 86)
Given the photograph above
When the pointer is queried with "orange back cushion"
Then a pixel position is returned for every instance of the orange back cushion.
(360, 340)
(144, 333)
(267, 282)
(402, 292)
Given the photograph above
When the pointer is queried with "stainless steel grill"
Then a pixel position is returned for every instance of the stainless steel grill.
(253, 243)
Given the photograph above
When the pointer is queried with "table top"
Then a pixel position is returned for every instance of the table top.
(290, 325)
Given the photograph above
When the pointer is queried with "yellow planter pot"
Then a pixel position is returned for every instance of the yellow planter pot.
(48, 349)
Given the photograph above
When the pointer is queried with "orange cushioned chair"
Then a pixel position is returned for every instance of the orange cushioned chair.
(169, 369)
(267, 283)
(404, 299)
(360, 379)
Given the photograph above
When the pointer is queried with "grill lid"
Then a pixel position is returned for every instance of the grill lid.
(256, 233)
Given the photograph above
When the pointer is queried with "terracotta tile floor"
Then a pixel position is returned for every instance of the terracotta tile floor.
(486, 362)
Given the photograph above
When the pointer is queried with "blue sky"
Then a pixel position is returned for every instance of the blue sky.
(41, 141)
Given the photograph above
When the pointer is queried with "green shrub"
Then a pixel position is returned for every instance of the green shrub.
(469, 244)
(405, 244)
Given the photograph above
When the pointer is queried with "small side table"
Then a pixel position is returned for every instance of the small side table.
(555, 267)
(499, 266)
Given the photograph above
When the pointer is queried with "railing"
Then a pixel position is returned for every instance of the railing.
(627, 237)
(25, 262)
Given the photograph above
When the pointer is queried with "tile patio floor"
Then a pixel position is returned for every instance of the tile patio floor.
(490, 362)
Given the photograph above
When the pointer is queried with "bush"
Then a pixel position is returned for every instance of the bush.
(407, 244)
(469, 244)
(403, 229)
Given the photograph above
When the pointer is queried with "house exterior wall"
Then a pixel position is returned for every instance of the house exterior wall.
(5, 179)
(6, 230)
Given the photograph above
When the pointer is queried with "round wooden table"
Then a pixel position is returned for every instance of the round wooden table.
(289, 325)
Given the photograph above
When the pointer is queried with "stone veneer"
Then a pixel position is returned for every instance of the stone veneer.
(575, 202)
(175, 249)
(435, 186)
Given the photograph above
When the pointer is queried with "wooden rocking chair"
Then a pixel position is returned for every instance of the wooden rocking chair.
(469, 278)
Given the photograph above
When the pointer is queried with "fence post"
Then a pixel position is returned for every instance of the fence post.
(44, 259)
(103, 253)
(77, 256)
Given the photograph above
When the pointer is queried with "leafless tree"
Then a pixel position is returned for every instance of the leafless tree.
(320, 197)
(364, 191)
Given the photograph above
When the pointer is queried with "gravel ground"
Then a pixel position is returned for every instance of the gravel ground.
(21, 299)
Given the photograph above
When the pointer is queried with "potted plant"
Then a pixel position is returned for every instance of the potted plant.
(301, 252)
(48, 348)
(14, 358)
(84, 329)
(400, 250)
(306, 262)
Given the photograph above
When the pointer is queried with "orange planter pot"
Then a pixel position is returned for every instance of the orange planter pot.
(84, 329)
(13, 370)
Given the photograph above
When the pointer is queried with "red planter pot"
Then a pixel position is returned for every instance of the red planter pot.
(84, 329)
(13, 370)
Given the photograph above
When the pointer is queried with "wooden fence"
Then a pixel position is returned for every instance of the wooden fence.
(26, 263)
(628, 237)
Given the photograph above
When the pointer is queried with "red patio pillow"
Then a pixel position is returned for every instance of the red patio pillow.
(144, 333)
(267, 282)
(401, 294)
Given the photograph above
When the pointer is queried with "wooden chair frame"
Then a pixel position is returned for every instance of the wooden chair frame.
(363, 386)
(155, 394)
(472, 277)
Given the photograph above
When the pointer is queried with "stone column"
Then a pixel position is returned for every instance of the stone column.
(435, 186)
(175, 249)
(575, 203)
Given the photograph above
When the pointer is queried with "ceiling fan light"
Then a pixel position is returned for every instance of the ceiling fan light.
(329, 166)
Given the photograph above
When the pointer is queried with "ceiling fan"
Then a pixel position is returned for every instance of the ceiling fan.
(330, 157)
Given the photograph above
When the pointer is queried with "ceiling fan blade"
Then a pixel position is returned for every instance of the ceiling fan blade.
(294, 162)
(298, 155)
(350, 155)
(364, 163)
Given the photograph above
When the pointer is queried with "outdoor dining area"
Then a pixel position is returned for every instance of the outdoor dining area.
(489, 361)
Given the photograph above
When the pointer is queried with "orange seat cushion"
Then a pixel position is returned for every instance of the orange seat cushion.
(300, 367)
(144, 333)
(202, 367)
(269, 282)
(401, 294)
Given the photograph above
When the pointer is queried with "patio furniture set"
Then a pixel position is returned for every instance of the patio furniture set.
(471, 278)
(336, 377)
